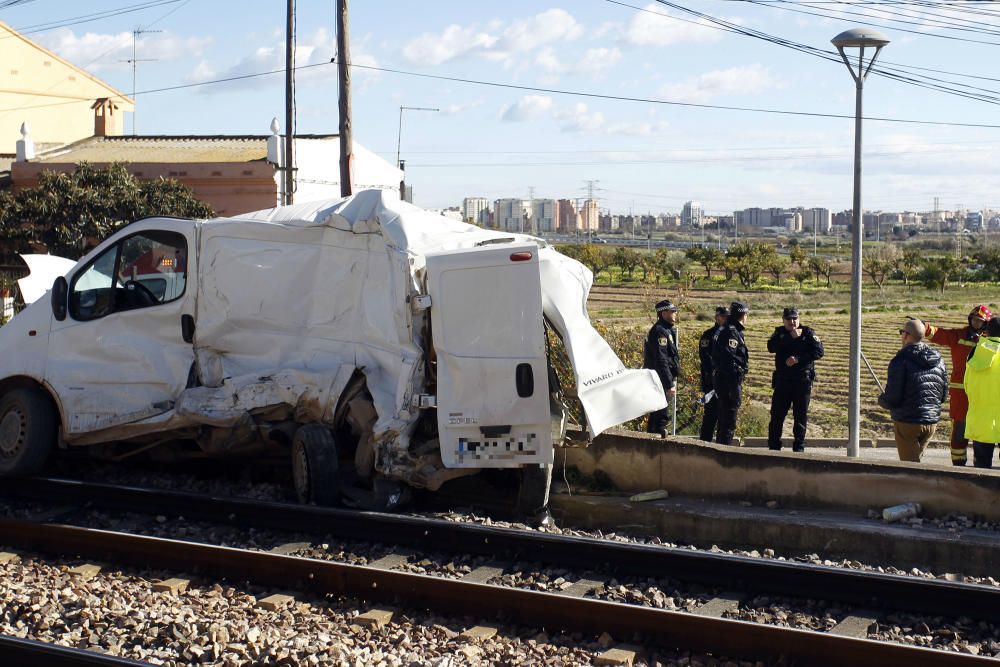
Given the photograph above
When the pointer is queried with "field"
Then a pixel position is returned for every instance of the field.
(624, 314)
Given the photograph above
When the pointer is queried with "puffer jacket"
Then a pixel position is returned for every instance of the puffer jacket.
(917, 385)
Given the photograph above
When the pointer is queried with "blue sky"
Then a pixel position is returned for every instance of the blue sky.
(498, 142)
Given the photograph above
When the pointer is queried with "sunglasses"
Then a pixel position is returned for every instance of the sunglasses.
(904, 332)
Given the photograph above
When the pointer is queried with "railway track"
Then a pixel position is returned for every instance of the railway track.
(725, 581)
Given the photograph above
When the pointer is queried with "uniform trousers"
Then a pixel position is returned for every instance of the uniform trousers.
(709, 420)
(795, 395)
(730, 396)
(982, 454)
(658, 419)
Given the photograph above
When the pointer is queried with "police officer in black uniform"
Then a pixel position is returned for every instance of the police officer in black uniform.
(708, 338)
(731, 360)
(661, 355)
(796, 349)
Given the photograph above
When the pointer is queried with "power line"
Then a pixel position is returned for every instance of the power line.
(87, 18)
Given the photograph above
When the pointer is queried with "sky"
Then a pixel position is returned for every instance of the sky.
(544, 97)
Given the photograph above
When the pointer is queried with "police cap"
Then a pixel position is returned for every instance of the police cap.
(721, 310)
(790, 314)
(738, 308)
(666, 304)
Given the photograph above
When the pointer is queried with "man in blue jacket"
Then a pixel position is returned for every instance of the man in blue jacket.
(917, 386)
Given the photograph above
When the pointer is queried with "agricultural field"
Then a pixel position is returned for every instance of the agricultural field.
(624, 314)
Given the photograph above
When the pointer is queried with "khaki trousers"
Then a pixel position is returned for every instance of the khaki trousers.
(911, 439)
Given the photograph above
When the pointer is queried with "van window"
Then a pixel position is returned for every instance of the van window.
(142, 270)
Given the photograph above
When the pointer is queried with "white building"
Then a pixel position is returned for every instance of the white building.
(817, 220)
(589, 216)
(512, 215)
(692, 214)
(473, 209)
(544, 215)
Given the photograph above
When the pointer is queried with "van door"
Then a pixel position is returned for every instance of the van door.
(119, 356)
(489, 338)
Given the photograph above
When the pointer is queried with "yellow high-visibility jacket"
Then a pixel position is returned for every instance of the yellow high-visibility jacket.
(982, 385)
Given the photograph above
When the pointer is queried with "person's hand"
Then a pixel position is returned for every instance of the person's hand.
(796, 332)
(672, 391)
(791, 361)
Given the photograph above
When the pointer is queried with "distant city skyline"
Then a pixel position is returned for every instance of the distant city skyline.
(630, 95)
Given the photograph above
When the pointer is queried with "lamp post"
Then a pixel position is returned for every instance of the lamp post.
(860, 39)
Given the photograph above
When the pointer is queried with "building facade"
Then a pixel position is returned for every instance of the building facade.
(544, 215)
(817, 220)
(589, 216)
(567, 218)
(473, 209)
(512, 215)
(692, 214)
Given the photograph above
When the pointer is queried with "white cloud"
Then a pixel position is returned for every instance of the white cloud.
(496, 42)
(99, 51)
(526, 108)
(594, 62)
(316, 49)
(747, 80)
(657, 27)
(549, 27)
(579, 119)
(455, 42)
(455, 109)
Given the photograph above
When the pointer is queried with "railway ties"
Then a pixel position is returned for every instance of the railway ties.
(384, 588)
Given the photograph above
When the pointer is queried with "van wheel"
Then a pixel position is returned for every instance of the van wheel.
(27, 431)
(315, 468)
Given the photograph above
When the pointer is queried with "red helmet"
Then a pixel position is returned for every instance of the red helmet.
(982, 312)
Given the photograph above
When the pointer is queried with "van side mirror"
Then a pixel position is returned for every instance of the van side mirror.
(60, 290)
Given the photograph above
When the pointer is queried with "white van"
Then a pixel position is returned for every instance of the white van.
(377, 343)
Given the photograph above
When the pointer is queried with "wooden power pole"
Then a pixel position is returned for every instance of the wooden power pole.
(289, 180)
(344, 76)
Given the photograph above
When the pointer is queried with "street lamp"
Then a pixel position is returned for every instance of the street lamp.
(860, 39)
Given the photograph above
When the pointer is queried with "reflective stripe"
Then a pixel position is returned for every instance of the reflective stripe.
(956, 385)
(969, 343)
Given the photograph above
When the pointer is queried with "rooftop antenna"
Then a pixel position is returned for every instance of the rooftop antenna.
(133, 60)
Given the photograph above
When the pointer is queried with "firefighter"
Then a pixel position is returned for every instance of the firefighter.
(731, 360)
(661, 355)
(796, 349)
(961, 341)
(711, 416)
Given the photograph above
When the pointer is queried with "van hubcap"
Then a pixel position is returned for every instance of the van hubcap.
(13, 428)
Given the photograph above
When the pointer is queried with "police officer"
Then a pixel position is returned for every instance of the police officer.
(708, 338)
(731, 360)
(796, 349)
(661, 355)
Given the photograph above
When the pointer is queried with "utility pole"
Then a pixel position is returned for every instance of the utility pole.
(289, 175)
(344, 77)
(133, 60)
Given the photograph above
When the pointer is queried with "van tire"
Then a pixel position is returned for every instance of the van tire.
(315, 467)
(28, 430)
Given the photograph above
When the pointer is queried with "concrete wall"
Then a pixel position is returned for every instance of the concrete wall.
(687, 467)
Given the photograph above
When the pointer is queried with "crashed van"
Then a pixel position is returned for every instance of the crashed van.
(375, 345)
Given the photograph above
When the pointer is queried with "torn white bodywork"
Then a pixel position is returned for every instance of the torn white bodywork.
(290, 303)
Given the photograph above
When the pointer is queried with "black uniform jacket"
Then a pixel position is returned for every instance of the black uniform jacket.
(730, 355)
(705, 344)
(807, 348)
(661, 353)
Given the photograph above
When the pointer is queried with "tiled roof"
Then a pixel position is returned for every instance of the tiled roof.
(165, 149)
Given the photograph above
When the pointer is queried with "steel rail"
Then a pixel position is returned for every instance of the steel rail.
(17, 651)
(860, 589)
(670, 629)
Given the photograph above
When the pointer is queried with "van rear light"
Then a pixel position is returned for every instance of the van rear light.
(520, 256)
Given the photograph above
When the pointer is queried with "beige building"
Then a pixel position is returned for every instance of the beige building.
(589, 216)
(54, 97)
